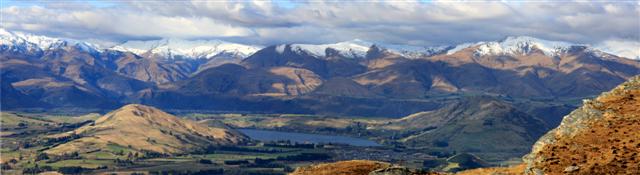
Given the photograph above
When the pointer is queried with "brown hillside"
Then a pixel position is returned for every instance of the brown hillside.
(481, 125)
(601, 137)
(351, 167)
(146, 128)
(513, 170)
(358, 167)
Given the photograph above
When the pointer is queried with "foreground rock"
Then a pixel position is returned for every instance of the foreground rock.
(601, 137)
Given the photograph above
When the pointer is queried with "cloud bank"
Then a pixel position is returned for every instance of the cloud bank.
(427, 23)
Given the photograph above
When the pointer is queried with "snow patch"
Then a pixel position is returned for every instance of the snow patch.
(352, 49)
(280, 48)
(193, 49)
(516, 45)
(358, 49)
(30, 43)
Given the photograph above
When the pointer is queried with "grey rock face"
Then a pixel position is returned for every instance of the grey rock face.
(571, 169)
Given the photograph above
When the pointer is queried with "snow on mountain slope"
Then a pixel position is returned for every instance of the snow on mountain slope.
(358, 49)
(174, 48)
(194, 49)
(353, 49)
(23, 42)
(516, 45)
(520, 45)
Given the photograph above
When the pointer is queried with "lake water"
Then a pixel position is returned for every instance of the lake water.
(264, 135)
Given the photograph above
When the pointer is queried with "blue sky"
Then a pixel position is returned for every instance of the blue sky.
(421, 23)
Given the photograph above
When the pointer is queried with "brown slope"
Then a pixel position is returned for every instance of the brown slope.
(232, 79)
(326, 67)
(601, 137)
(351, 167)
(151, 69)
(340, 86)
(492, 128)
(36, 80)
(358, 167)
(146, 128)
(579, 72)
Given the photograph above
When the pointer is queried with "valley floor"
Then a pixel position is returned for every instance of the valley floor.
(23, 144)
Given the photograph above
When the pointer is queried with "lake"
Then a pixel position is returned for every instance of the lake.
(264, 135)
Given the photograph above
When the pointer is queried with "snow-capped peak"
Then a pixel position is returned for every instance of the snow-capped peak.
(358, 48)
(354, 49)
(516, 45)
(194, 49)
(19, 41)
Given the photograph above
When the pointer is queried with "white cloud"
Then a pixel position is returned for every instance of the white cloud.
(116, 23)
(625, 48)
(398, 22)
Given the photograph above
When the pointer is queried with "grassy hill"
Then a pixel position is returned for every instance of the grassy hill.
(13, 120)
(143, 128)
(491, 128)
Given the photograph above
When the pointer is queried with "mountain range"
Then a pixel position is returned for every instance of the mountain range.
(347, 78)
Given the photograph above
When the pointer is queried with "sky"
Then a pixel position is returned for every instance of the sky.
(608, 24)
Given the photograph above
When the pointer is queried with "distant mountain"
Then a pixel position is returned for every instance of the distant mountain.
(209, 53)
(231, 79)
(369, 78)
(35, 45)
(335, 60)
(191, 49)
(359, 49)
(157, 61)
(383, 80)
(512, 45)
(144, 128)
(517, 45)
(534, 70)
(66, 77)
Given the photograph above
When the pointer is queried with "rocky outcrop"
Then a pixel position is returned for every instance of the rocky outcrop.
(601, 137)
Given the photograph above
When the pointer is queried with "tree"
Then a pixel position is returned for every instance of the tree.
(42, 156)
(205, 161)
